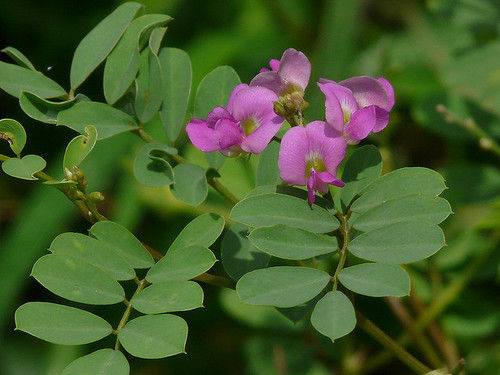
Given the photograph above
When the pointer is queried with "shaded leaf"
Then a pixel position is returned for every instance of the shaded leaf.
(14, 133)
(24, 168)
(18, 57)
(333, 315)
(148, 85)
(267, 170)
(203, 231)
(190, 184)
(100, 362)
(151, 166)
(79, 147)
(238, 254)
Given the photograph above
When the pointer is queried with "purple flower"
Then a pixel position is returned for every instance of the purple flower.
(247, 124)
(291, 73)
(309, 157)
(358, 106)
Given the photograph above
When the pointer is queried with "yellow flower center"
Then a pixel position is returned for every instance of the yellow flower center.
(315, 161)
(249, 125)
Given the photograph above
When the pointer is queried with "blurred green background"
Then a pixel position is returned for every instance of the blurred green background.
(433, 52)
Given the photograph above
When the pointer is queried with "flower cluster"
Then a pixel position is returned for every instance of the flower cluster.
(309, 154)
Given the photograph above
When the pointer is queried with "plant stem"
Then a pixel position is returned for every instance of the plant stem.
(420, 339)
(344, 228)
(486, 142)
(369, 327)
(222, 190)
(141, 284)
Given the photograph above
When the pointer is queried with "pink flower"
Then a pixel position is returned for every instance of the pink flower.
(291, 73)
(247, 124)
(358, 106)
(309, 157)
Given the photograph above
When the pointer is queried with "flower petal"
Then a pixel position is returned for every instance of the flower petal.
(295, 68)
(389, 90)
(361, 124)
(324, 80)
(258, 140)
(236, 90)
(202, 136)
(252, 102)
(382, 119)
(228, 133)
(311, 185)
(331, 147)
(333, 109)
(368, 91)
(269, 80)
(274, 64)
(292, 156)
(330, 179)
(218, 113)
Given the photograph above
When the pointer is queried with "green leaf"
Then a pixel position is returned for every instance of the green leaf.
(182, 264)
(362, 167)
(156, 39)
(77, 280)
(60, 324)
(79, 147)
(291, 191)
(122, 63)
(419, 207)
(151, 167)
(271, 209)
(15, 79)
(333, 315)
(203, 231)
(267, 170)
(190, 184)
(168, 297)
(108, 121)
(148, 84)
(238, 254)
(399, 243)
(176, 74)
(292, 243)
(99, 42)
(94, 252)
(18, 57)
(281, 286)
(214, 90)
(44, 110)
(14, 133)
(154, 336)
(119, 239)
(398, 184)
(376, 280)
(24, 168)
(100, 362)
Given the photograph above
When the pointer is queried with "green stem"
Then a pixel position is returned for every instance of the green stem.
(222, 190)
(486, 142)
(376, 333)
(344, 229)
(126, 315)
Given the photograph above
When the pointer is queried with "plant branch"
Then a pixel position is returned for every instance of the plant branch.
(140, 286)
(344, 228)
(376, 333)
(486, 142)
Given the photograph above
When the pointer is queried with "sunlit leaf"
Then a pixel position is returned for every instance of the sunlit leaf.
(99, 42)
(24, 168)
(292, 243)
(119, 239)
(333, 315)
(18, 57)
(154, 336)
(77, 280)
(182, 264)
(376, 280)
(100, 362)
(15, 79)
(94, 252)
(271, 209)
(60, 324)
(281, 286)
(203, 230)
(79, 147)
(168, 297)
(176, 77)
(108, 121)
(398, 243)
(14, 133)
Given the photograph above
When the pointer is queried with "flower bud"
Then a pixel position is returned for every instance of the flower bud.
(279, 109)
(96, 196)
